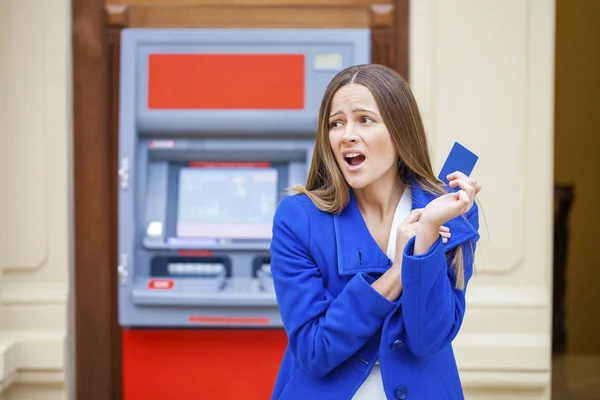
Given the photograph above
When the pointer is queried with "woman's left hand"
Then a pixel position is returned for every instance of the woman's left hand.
(451, 205)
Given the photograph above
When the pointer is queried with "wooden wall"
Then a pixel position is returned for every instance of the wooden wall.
(388, 19)
(96, 37)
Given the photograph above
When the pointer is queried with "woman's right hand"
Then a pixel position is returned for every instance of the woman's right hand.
(451, 205)
(408, 228)
(444, 208)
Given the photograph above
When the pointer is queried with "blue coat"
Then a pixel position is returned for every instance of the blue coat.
(338, 325)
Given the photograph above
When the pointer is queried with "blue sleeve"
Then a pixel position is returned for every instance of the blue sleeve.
(431, 309)
(323, 331)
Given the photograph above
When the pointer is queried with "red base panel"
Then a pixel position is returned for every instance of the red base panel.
(201, 364)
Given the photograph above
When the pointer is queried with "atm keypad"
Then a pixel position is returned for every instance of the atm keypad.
(212, 275)
(196, 269)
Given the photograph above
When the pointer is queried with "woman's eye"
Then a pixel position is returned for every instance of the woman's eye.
(366, 120)
(335, 124)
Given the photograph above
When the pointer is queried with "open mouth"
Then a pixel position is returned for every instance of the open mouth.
(354, 159)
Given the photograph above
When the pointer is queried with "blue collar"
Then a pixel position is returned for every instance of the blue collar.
(357, 250)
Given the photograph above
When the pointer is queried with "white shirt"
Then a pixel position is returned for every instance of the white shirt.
(372, 387)
(402, 210)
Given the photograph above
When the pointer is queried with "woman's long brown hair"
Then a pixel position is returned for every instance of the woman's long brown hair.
(326, 186)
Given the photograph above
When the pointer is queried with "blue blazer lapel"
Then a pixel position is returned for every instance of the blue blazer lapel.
(357, 251)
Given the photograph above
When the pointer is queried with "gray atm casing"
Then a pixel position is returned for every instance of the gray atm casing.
(231, 285)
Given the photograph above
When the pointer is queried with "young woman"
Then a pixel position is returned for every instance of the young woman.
(371, 259)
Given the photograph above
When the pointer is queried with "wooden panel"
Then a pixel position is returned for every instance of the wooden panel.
(113, 53)
(401, 22)
(383, 49)
(383, 35)
(246, 2)
(117, 15)
(382, 15)
(247, 17)
(387, 19)
(96, 359)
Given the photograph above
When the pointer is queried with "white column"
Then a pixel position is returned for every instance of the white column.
(483, 73)
(35, 115)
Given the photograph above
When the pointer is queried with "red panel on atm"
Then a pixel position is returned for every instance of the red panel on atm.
(201, 363)
(226, 81)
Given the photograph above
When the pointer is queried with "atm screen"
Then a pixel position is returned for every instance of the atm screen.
(226, 203)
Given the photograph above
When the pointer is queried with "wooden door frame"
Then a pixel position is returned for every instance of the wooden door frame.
(97, 358)
(402, 17)
(97, 334)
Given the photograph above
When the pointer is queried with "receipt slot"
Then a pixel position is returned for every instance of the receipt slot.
(214, 126)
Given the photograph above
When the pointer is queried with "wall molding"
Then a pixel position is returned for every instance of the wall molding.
(35, 357)
(9, 359)
(495, 351)
(506, 380)
(49, 377)
(481, 295)
(16, 293)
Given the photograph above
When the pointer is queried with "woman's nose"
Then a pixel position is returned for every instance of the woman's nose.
(349, 135)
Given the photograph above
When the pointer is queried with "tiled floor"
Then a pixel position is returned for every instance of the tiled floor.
(576, 377)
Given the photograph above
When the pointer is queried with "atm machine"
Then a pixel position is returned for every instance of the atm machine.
(214, 126)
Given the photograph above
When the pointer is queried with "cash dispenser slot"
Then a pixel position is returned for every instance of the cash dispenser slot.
(204, 281)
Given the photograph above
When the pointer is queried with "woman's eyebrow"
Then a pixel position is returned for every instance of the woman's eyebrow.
(355, 111)
(364, 110)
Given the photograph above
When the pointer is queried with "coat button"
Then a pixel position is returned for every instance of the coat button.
(401, 392)
(397, 344)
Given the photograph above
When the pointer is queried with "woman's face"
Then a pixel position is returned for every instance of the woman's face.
(359, 139)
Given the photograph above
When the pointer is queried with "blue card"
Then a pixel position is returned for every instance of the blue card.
(460, 159)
